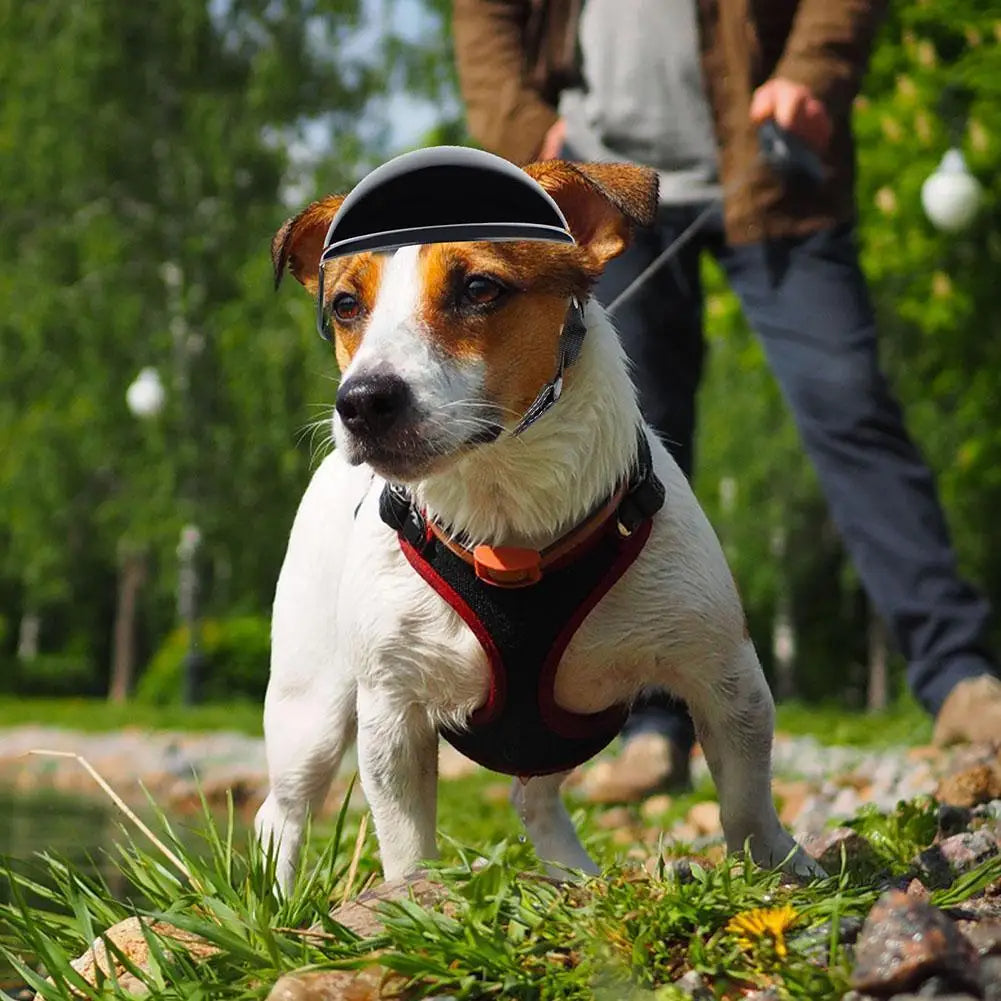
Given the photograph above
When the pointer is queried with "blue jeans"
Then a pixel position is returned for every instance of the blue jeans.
(808, 302)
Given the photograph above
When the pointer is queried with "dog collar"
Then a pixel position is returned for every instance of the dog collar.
(630, 505)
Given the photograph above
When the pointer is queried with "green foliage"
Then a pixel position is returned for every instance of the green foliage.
(142, 183)
(234, 663)
(49, 674)
(899, 836)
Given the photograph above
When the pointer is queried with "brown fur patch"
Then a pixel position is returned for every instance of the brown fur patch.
(602, 202)
(299, 241)
(517, 339)
(361, 276)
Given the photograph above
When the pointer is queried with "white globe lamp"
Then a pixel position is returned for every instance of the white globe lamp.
(145, 396)
(951, 196)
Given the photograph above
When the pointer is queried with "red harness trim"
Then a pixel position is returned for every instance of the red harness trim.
(498, 686)
(560, 720)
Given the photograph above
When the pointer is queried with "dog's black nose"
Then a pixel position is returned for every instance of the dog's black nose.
(369, 405)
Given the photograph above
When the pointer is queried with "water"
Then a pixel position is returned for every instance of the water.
(83, 832)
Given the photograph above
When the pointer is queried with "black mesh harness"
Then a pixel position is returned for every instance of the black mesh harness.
(525, 628)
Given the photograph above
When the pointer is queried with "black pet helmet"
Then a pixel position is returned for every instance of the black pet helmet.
(451, 194)
(444, 194)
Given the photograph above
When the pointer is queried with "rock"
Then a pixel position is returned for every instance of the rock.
(815, 942)
(904, 942)
(129, 937)
(362, 916)
(685, 833)
(827, 847)
(616, 817)
(339, 985)
(976, 784)
(704, 817)
(966, 851)
(984, 935)
(953, 820)
(917, 890)
(792, 797)
(923, 996)
(942, 863)
(990, 977)
(694, 986)
(656, 806)
(452, 764)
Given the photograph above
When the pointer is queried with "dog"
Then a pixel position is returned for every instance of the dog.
(442, 349)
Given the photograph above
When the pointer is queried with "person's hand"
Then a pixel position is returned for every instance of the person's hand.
(794, 108)
(553, 141)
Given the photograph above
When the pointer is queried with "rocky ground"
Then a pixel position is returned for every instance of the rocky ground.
(906, 948)
(815, 783)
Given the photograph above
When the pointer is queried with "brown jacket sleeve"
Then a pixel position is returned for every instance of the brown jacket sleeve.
(828, 48)
(504, 113)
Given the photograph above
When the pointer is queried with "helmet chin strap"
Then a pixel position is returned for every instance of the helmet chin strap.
(571, 341)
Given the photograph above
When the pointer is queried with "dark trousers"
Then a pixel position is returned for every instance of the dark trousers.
(807, 300)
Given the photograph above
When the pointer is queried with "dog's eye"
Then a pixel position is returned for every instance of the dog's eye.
(479, 291)
(346, 307)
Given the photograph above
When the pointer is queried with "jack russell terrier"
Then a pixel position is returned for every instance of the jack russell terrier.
(456, 569)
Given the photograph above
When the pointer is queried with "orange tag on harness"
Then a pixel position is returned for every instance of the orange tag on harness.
(507, 566)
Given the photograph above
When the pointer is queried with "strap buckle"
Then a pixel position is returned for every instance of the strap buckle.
(507, 566)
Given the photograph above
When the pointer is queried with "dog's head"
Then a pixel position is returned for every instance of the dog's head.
(442, 346)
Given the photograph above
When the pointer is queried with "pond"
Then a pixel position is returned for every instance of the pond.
(82, 831)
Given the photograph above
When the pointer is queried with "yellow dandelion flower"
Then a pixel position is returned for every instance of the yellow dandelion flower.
(764, 922)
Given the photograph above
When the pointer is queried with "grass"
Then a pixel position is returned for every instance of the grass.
(503, 932)
(903, 723)
(98, 715)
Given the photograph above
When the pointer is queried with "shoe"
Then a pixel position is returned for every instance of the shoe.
(971, 713)
(649, 763)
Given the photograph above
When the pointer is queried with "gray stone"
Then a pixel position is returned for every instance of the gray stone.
(984, 934)
(694, 986)
(940, 864)
(827, 848)
(990, 978)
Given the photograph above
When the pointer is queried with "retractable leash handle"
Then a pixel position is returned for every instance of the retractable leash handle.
(789, 155)
(786, 154)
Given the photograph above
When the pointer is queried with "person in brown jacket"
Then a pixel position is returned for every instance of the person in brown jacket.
(682, 86)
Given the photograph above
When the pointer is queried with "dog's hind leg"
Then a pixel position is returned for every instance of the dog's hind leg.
(542, 811)
(734, 718)
(398, 762)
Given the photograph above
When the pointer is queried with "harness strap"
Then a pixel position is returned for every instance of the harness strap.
(571, 342)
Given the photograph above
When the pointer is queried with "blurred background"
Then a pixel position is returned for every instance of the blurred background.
(159, 400)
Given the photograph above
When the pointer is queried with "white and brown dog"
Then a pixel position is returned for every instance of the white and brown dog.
(442, 349)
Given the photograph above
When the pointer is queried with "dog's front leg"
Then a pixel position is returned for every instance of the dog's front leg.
(398, 762)
(548, 824)
(734, 717)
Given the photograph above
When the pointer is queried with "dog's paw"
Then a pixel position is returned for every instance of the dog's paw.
(783, 853)
(803, 867)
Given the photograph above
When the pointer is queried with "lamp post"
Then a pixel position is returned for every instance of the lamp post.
(951, 196)
(145, 398)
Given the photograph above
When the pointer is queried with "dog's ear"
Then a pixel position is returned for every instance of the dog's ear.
(298, 242)
(602, 202)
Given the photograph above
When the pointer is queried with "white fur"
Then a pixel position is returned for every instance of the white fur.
(385, 655)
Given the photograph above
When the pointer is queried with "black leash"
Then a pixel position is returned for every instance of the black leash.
(787, 154)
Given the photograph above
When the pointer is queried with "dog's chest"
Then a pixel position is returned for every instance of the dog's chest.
(404, 636)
